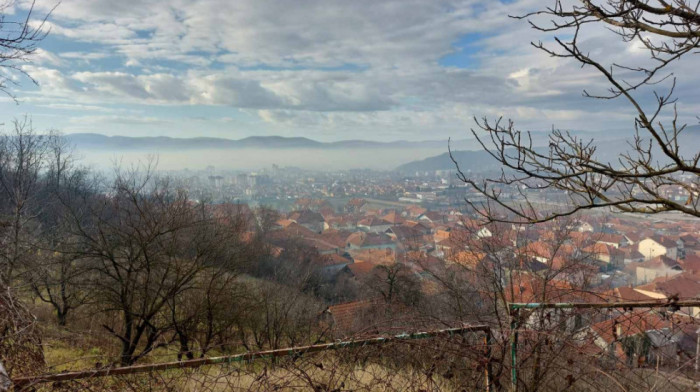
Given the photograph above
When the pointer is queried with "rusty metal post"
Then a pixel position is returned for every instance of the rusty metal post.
(697, 352)
(488, 338)
(514, 311)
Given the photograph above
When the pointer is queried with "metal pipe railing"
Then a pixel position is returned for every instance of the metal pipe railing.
(514, 308)
(21, 382)
(606, 305)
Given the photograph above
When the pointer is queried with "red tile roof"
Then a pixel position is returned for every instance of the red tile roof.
(626, 294)
(350, 316)
(629, 324)
(684, 285)
(360, 270)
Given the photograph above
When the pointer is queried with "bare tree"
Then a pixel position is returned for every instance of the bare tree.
(515, 263)
(56, 273)
(19, 343)
(278, 316)
(203, 317)
(145, 243)
(23, 154)
(654, 161)
(19, 37)
(22, 159)
(394, 283)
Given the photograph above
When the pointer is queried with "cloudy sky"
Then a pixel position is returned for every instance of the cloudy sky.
(324, 69)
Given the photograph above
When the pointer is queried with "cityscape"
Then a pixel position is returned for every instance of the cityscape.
(324, 195)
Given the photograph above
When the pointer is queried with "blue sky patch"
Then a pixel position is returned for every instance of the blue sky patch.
(466, 50)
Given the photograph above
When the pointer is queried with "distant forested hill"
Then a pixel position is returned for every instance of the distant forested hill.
(98, 141)
(480, 161)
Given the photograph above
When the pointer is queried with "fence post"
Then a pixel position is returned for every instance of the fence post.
(489, 371)
(514, 347)
(697, 351)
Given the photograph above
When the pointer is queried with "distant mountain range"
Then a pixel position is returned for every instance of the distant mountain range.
(95, 141)
(158, 143)
(346, 153)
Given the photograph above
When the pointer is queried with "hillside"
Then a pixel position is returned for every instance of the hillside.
(479, 161)
(103, 142)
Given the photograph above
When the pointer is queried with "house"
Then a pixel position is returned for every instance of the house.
(606, 253)
(312, 204)
(525, 287)
(343, 222)
(355, 205)
(465, 258)
(691, 244)
(680, 249)
(373, 224)
(537, 250)
(656, 245)
(362, 240)
(477, 230)
(337, 238)
(583, 226)
(332, 264)
(283, 223)
(432, 217)
(408, 238)
(347, 319)
(614, 240)
(311, 220)
(292, 230)
(441, 233)
(691, 263)
(450, 245)
(684, 286)
(369, 317)
(322, 247)
(393, 217)
(373, 256)
(414, 211)
(424, 228)
(631, 255)
(637, 338)
(628, 294)
(454, 216)
(657, 267)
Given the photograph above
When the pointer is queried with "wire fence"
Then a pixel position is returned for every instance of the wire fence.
(632, 346)
(440, 360)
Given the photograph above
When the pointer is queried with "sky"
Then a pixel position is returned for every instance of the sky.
(323, 69)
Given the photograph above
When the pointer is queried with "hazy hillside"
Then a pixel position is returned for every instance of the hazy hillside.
(468, 160)
(159, 143)
(98, 141)
(257, 152)
(480, 161)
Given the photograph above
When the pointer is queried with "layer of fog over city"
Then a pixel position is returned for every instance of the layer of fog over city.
(256, 159)
(377, 157)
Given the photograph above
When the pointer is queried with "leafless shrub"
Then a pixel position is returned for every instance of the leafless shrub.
(21, 352)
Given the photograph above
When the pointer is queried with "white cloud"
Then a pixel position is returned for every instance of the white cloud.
(329, 65)
(45, 57)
